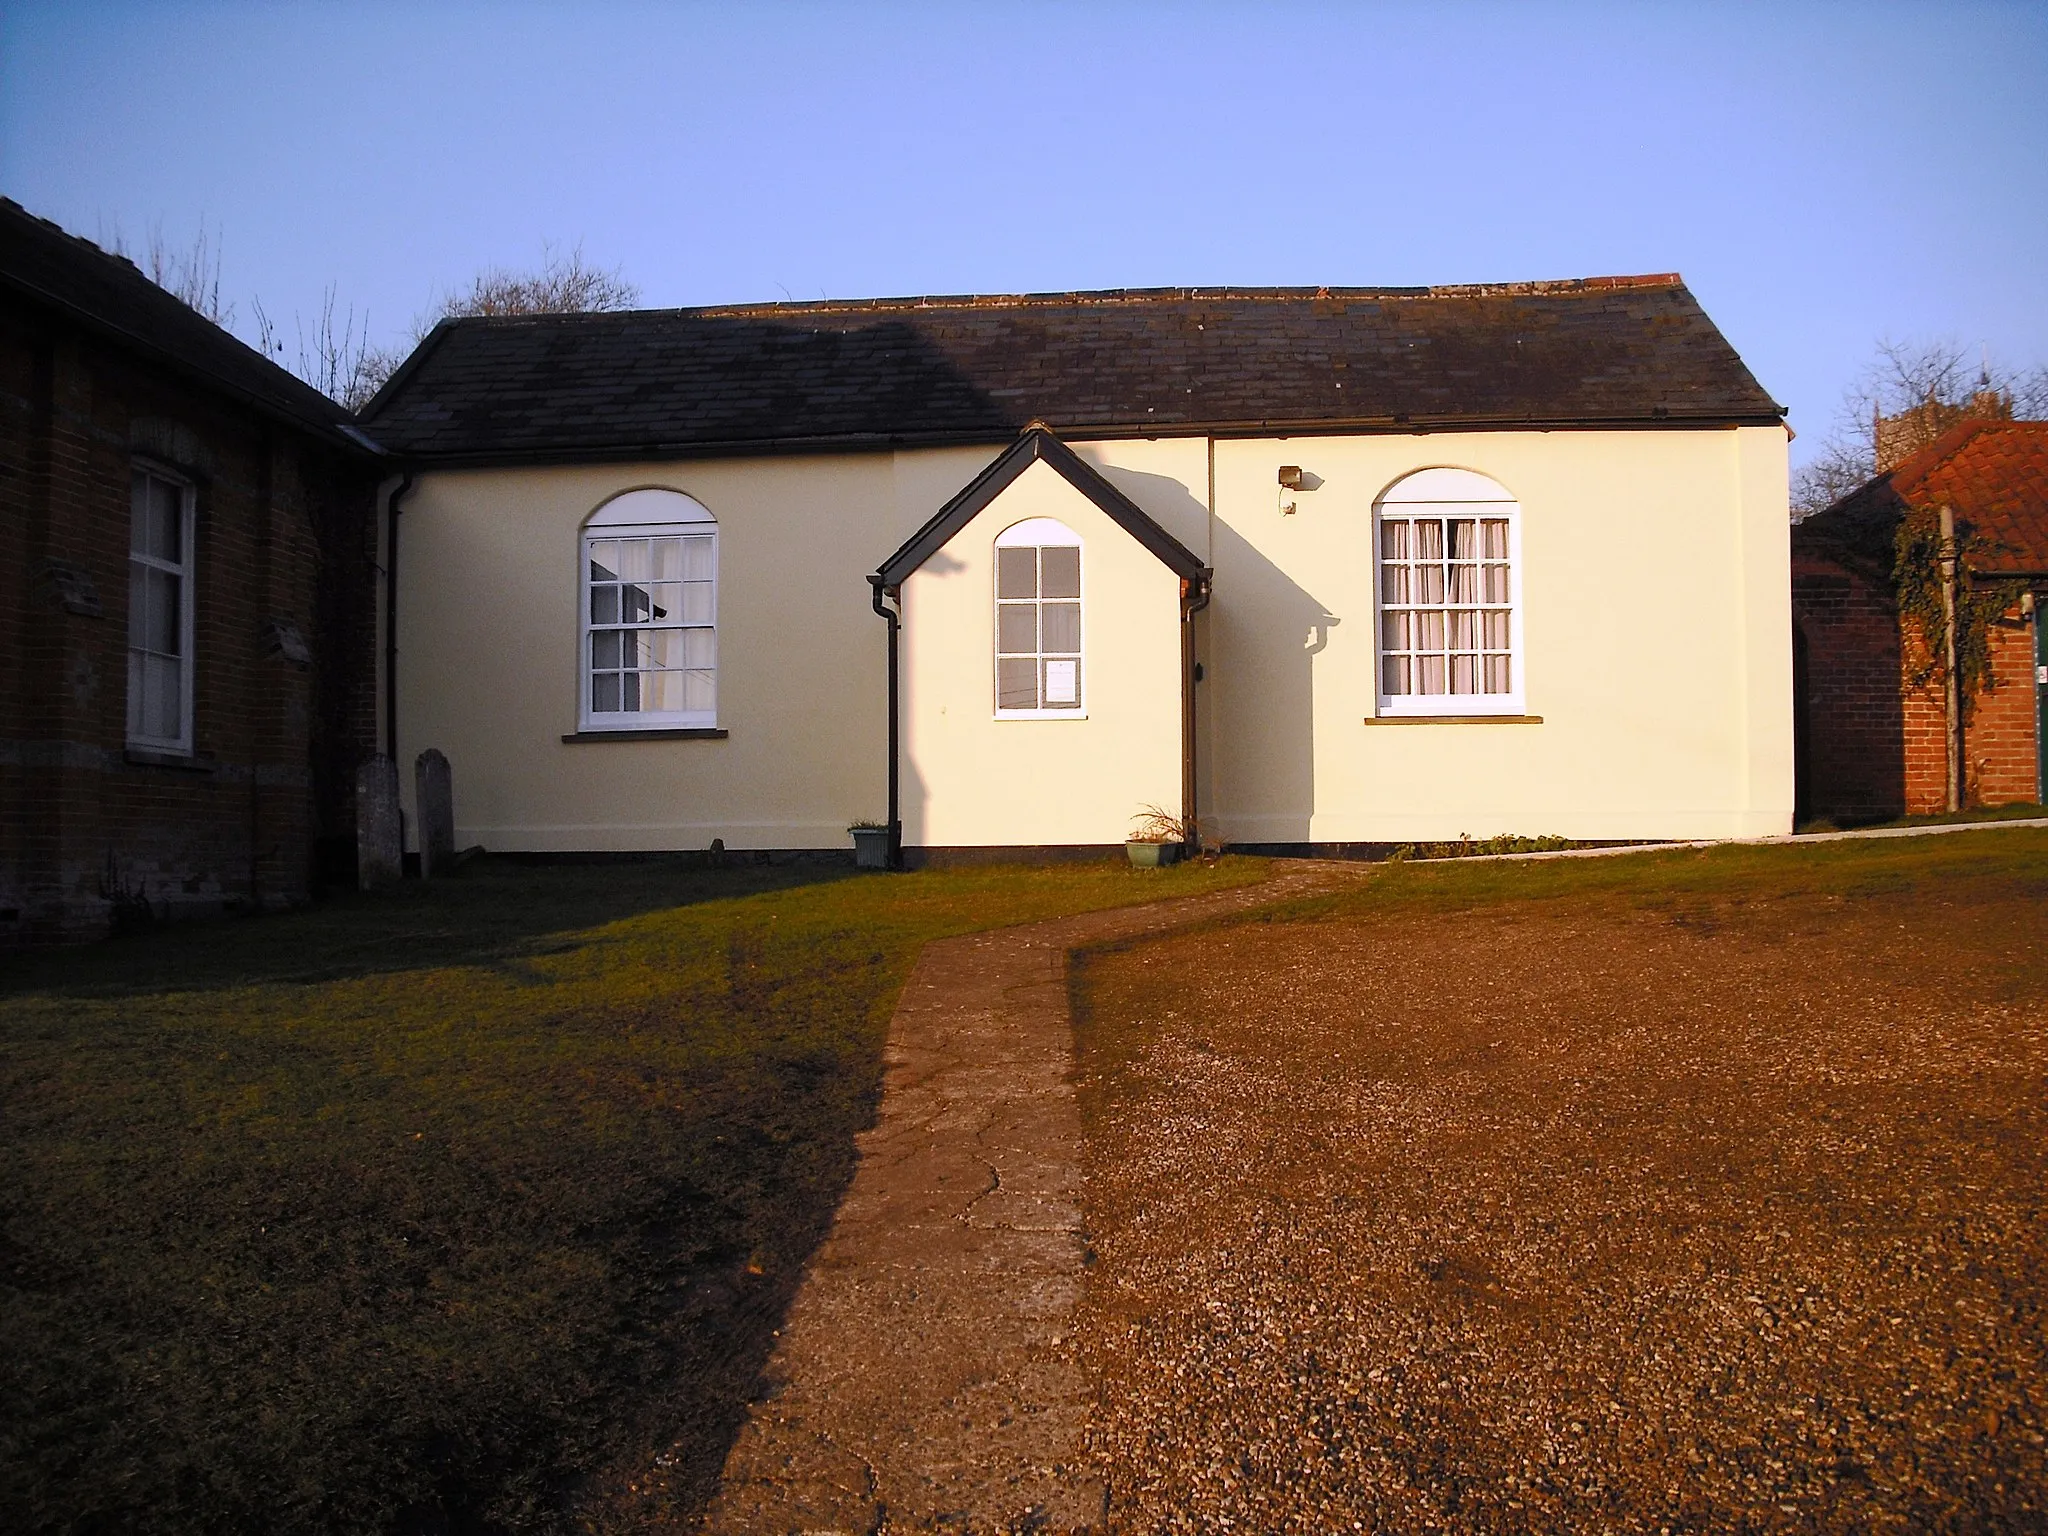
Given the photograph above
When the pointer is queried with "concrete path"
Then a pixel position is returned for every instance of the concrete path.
(925, 1378)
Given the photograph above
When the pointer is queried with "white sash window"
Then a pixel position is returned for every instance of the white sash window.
(160, 528)
(650, 613)
(1447, 545)
(1038, 621)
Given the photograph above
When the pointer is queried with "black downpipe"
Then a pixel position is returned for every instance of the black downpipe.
(895, 805)
(1195, 597)
(391, 616)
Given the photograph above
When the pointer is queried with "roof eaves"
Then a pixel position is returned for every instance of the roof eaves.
(1363, 426)
(1036, 445)
(333, 431)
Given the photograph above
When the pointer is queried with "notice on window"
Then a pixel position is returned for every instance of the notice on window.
(1062, 684)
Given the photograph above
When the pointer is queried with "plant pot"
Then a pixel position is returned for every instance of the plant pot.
(870, 847)
(1152, 855)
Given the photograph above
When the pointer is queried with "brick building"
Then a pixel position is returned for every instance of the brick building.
(1871, 745)
(188, 557)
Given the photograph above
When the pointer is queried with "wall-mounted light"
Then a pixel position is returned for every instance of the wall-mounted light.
(1292, 479)
(1290, 476)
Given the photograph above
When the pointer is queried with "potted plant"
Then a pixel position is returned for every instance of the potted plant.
(1158, 838)
(870, 844)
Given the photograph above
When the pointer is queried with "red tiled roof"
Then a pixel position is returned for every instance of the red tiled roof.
(1993, 473)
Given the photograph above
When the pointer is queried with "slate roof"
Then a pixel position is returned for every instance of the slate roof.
(1624, 351)
(1034, 446)
(110, 296)
(1993, 473)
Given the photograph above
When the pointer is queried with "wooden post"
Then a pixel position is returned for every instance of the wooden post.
(1953, 692)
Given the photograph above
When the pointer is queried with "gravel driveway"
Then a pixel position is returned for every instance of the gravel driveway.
(1715, 1214)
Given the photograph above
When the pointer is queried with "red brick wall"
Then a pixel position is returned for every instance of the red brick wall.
(1871, 746)
(284, 534)
(1852, 763)
(1999, 739)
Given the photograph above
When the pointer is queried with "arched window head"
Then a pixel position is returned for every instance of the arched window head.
(1447, 544)
(1038, 620)
(650, 613)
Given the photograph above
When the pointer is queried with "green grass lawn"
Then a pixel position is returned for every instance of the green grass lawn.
(433, 1211)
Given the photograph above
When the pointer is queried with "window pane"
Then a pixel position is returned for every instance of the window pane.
(1493, 541)
(162, 689)
(1496, 587)
(697, 557)
(1464, 543)
(1016, 629)
(629, 693)
(166, 522)
(1396, 582)
(1464, 674)
(699, 690)
(1429, 584)
(1062, 684)
(160, 626)
(1017, 574)
(604, 693)
(1059, 571)
(700, 648)
(1497, 675)
(604, 604)
(1464, 584)
(663, 691)
(1394, 541)
(696, 605)
(604, 648)
(1464, 631)
(1429, 674)
(135, 711)
(1017, 683)
(1400, 632)
(667, 600)
(633, 559)
(1496, 631)
(1394, 672)
(663, 647)
(138, 515)
(138, 603)
(633, 604)
(1062, 628)
(665, 560)
(1429, 632)
(1429, 539)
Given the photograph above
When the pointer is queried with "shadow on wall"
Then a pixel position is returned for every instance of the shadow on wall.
(1268, 632)
(1849, 706)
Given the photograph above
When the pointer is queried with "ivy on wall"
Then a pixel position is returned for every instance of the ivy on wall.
(1916, 584)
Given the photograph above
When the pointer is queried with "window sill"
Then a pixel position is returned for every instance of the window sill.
(659, 733)
(1453, 719)
(156, 757)
(1041, 714)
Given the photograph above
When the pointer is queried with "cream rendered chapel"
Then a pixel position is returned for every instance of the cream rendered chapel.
(1328, 569)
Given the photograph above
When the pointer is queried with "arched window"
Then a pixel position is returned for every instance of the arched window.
(1448, 546)
(1038, 620)
(650, 613)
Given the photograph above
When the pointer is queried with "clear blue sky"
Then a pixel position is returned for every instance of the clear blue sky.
(1822, 174)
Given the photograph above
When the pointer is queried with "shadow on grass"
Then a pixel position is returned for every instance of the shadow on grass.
(496, 910)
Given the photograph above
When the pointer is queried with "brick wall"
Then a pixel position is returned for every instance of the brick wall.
(1872, 746)
(284, 541)
(1851, 716)
(1999, 740)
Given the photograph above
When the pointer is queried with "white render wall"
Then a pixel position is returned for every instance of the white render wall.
(1657, 633)
(972, 780)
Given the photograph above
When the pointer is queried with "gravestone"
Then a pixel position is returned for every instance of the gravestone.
(380, 846)
(435, 784)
